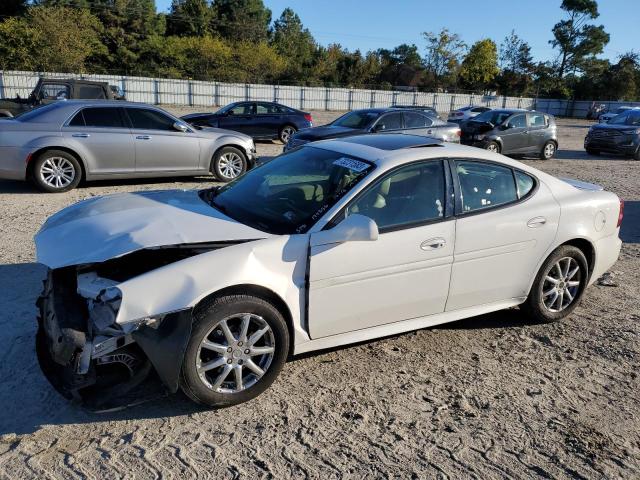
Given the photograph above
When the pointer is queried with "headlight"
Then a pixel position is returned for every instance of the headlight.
(478, 137)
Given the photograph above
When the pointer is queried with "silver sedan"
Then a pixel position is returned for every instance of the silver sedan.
(59, 145)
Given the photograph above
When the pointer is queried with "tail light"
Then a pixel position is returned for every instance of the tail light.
(459, 132)
(308, 117)
(620, 213)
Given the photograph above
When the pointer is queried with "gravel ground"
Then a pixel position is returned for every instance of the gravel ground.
(491, 396)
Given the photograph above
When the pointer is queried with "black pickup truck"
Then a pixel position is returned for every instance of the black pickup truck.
(49, 90)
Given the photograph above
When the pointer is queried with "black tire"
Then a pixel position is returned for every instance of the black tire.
(46, 179)
(206, 322)
(493, 146)
(637, 154)
(285, 133)
(548, 150)
(228, 163)
(534, 307)
(591, 151)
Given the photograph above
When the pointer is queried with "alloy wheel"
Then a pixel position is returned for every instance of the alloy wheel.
(492, 147)
(561, 284)
(57, 172)
(230, 165)
(549, 150)
(286, 134)
(235, 353)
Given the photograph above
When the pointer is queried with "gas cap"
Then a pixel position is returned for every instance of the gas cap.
(599, 221)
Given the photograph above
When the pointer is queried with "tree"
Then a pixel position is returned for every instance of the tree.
(400, 66)
(575, 38)
(517, 66)
(10, 8)
(189, 18)
(295, 44)
(480, 65)
(241, 20)
(17, 43)
(442, 57)
(623, 78)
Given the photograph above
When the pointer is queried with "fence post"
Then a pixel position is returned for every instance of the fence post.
(519, 102)
(435, 101)
(190, 93)
(393, 97)
(504, 101)
(350, 100)
(246, 92)
(156, 91)
(302, 98)
(415, 98)
(453, 102)
(327, 91)
(216, 94)
(372, 102)
(276, 91)
(2, 94)
(123, 86)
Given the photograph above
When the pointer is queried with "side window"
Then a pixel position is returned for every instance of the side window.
(54, 91)
(242, 109)
(485, 185)
(91, 92)
(144, 119)
(519, 121)
(77, 120)
(391, 121)
(411, 195)
(525, 183)
(263, 108)
(537, 120)
(102, 117)
(416, 120)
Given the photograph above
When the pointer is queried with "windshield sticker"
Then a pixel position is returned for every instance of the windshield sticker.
(351, 164)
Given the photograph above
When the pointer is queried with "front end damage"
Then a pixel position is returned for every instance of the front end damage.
(90, 357)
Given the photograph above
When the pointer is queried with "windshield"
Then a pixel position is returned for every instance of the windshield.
(492, 117)
(360, 119)
(630, 118)
(621, 110)
(290, 193)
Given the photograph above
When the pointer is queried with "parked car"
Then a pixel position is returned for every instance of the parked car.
(620, 135)
(330, 244)
(422, 108)
(260, 120)
(465, 113)
(377, 120)
(595, 110)
(607, 116)
(513, 132)
(49, 90)
(58, 145)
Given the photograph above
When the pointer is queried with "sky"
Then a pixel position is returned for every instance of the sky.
(372, 24)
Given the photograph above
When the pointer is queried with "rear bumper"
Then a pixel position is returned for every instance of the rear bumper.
(607, 253)
(13, 163)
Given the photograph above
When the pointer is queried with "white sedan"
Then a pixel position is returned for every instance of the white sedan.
(336, 242)
(465, 113)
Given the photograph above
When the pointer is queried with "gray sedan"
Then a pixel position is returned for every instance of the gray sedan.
(60, 144)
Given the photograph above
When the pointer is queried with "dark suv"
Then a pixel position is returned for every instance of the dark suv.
(512, 132)
(621, 135)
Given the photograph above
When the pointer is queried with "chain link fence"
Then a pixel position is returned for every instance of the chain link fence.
(160, 91)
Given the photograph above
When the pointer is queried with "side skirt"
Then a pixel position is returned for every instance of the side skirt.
(403, 326)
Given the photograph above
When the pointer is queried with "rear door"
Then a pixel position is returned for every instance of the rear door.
(103, 139)
(538, 124)
(389, 122)
(267, 120)
(159, 146)
(515, 136)
(417, 124)
(506, 222)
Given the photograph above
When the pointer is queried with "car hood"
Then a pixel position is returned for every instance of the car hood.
(102, 228)
(326, 131)
(211, 132)
(609, 126)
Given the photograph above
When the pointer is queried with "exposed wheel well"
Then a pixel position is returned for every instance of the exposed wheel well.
(586, 248)
(259, 292)
(37, 153)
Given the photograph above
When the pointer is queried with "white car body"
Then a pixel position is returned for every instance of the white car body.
(465, 113)
(337, 293)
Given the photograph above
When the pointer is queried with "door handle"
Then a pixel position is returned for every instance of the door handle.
(536, 222)
(433, 243)
(80, 135)
(143, 137)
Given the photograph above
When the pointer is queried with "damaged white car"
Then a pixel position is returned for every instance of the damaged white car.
(332, 243)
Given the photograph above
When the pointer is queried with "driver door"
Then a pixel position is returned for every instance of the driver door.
(403, 274)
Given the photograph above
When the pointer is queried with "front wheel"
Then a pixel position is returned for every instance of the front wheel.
(238, 346)
(228, 164)
(558, 286)
(493, 147)
(548, 151)
(56, 171)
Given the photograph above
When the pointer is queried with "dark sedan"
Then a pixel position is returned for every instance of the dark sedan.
(512, 132)
(621, 135)
(260, 120)
(379, 120)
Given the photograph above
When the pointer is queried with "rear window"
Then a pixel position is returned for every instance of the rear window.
(91, 92)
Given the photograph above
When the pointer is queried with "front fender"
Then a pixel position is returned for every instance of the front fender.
(277, 264)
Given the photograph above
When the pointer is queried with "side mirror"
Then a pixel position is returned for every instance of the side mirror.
(354, 228)
(181, 127)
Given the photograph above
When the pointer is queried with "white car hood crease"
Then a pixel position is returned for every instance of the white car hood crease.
(101, 228)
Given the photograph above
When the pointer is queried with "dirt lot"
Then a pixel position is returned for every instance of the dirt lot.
(492, 396)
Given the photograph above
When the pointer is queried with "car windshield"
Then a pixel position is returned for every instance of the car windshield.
(290, 193)
(492, 117)
(621, 110)
(630, 118)
(360, 119)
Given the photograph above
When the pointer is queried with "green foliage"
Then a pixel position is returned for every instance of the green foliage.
(189, 18)
(442, 58)
(480, 65)
(241, 20)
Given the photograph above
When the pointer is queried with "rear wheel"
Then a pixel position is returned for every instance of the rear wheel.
(548, 151)
(558, 286)
(238, 346)
(56, 171)
(229, 163)
(493, 147)
(286, 132)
